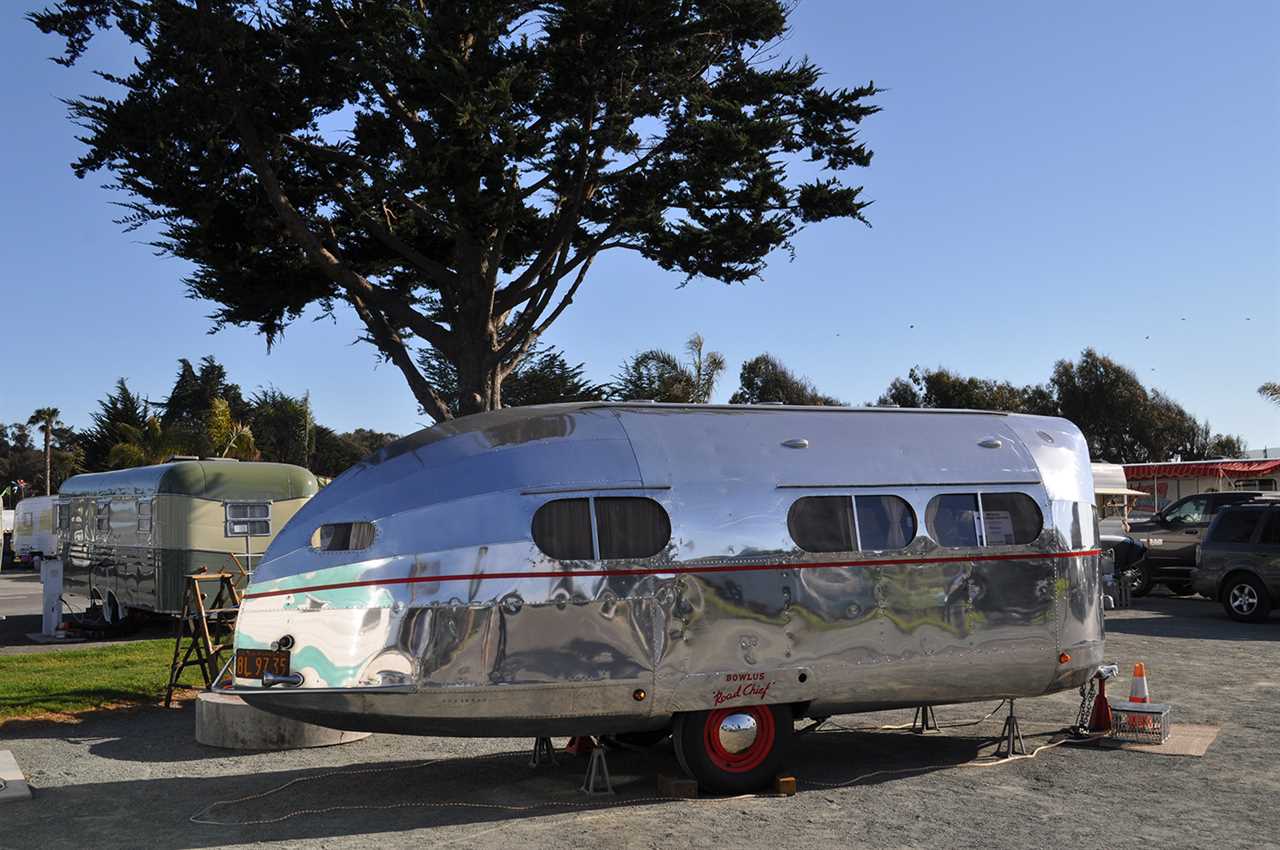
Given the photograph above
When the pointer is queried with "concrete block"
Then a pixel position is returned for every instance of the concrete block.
(226, 721)
(13, 785)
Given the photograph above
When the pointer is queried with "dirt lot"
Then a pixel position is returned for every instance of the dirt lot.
(134, 778)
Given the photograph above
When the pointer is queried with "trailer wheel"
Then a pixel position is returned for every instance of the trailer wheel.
(733, 750)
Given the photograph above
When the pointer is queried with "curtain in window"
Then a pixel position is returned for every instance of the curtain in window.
(885, 522)
(562, 529)
(950, 519)
(822, 524)
(629, 527)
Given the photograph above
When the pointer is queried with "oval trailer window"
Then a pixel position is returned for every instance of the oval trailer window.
(952, 519)
(822, 524)
(1012, 519)
(562, 530)
(884, 522)
(343, 536)
(631, 527)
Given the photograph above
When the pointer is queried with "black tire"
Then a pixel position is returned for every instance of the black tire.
(719, 771)
(1139, 578)
(1180, 588)
(1245, 598)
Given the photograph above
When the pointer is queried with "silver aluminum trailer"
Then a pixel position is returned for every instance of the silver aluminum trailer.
(604, 568)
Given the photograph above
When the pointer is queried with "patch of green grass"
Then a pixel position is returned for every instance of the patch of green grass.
(74, 680)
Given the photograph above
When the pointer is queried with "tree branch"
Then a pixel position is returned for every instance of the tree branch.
(392, 346)
(353, 284)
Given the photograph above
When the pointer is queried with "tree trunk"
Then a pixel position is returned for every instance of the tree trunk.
(479, 373)
(48, 460)
(479, 384)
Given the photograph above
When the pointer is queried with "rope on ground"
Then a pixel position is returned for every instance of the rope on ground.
(203, 816)
(900, 726)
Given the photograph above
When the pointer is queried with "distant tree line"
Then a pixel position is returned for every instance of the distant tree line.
(1121, 419)
(204, 415)
(207, 415)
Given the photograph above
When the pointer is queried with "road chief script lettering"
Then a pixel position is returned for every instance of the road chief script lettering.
(752, 690)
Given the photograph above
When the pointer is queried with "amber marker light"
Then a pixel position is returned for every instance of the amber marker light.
(638, 695)
(1064, 657)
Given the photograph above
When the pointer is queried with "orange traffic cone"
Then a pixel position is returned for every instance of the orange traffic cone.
(1100, 720)
(1138, 690)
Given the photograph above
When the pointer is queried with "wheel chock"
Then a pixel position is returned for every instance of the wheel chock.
(677, 786)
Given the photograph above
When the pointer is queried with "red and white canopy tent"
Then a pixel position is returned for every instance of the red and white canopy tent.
(1147, 476)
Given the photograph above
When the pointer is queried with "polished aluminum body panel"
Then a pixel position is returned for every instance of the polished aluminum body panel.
(453, 621)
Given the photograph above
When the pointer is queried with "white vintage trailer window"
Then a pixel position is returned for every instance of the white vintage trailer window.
(248, 519)
(144, 516)
(601, 528)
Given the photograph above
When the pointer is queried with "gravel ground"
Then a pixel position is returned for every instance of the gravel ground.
(134, 778)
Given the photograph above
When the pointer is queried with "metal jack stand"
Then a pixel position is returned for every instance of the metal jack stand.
(597, 780)
(1011, 742)
(544, 752)
(924, 721)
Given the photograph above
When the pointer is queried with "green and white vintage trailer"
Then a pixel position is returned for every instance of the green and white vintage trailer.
(129, 538)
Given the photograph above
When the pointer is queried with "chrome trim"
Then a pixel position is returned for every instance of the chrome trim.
(550, 491)
(890, 486)
(737, 733)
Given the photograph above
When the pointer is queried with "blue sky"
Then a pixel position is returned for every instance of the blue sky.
(1047, 177)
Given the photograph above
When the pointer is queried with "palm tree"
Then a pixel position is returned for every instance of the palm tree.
(660, 376)
(47, 419)
(705, 368)
(1270, 391)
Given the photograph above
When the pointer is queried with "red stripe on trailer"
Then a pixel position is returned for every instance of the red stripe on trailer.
(691, 570)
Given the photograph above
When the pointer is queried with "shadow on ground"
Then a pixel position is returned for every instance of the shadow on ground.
(1187, 617)
(374, 797)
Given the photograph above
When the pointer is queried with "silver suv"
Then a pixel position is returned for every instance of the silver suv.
(1239, 560)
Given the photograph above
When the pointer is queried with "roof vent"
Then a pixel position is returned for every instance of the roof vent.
(640, 401)
(991, 443)
(797, 443)
(176, 458)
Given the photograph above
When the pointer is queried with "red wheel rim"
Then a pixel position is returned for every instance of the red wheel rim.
(754, 755)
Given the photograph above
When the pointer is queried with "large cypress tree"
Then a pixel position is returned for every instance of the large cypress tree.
(449, 171)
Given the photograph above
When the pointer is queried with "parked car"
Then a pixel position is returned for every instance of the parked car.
(1121, 555)
(1239, 561)
(1172, 537)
